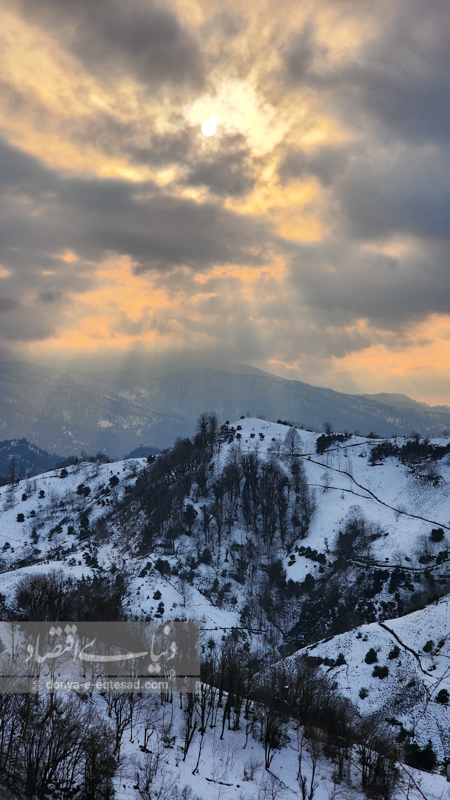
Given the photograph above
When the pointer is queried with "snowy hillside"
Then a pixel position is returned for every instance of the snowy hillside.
(398, 669)
(277, 541)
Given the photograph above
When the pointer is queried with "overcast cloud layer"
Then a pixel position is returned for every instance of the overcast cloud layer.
(309, 236)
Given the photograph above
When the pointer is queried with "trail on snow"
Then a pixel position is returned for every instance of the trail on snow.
(373, 496)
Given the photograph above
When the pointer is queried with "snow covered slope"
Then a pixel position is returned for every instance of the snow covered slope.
(283, 539)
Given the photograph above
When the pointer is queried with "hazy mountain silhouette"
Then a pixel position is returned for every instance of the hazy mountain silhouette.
(118, 411)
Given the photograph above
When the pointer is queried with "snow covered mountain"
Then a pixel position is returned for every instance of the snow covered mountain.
(20, 459)
(231, 393)
(64, 415)
(117, 411)
(301, 554)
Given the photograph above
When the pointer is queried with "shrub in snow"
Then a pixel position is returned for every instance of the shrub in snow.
(420, 758)
(380, 672)
(206, 556)
(371, 656)
(442, 697)
(163, 566)
(160, 609)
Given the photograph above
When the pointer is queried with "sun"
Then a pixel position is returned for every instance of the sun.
(209, 127)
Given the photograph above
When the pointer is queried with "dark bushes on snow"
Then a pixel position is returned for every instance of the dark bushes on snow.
(371, 656)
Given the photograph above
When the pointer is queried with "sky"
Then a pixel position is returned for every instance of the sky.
(309, 236)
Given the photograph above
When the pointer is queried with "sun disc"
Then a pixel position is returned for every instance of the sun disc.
(209, 127)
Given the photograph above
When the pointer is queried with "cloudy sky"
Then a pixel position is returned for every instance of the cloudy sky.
(310, 236)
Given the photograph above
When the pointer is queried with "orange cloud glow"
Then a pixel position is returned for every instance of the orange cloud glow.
(319, 198)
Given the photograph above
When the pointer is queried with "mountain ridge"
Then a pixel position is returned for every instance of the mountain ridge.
(117, 411)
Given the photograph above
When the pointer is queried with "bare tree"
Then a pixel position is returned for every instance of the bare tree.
(307, 788)
(185, 590)
(292, 445)
(190, 723)
(272, 788)
(273, 734)
(148, 717)
(251, 767)
(326, 480)
(159, 785)
(53, 745)
(205, 702)
(120, 711)
(276, 446)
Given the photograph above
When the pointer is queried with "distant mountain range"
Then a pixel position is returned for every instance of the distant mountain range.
(20, 459)
(65, 415)
(120, 410)
(249, 391)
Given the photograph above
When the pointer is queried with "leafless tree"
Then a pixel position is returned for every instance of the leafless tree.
(272, 788)
(251, 768)
(292, 445)
(190, 723)
(326, 480)
(307, 787)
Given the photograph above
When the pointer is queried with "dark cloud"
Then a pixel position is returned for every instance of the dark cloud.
(20, 323)
(165, 149)
(157, 230)
(345, 283)
(398, 79)
(230, 171)
(7, 304)
(135, 140)
(44, 212)
(299, 54)
(394, 183)
(20, 172)
(205, 234)
(325, 163)
(112, 38)
(405, 190)
(402, 78)
(49, 296)
(93, 216)
(227, 23)
(223, 176)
